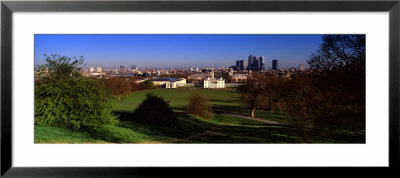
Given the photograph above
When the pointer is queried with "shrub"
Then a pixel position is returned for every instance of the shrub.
(155, 111)
(65, 98)
(199, 106)
(73, 103)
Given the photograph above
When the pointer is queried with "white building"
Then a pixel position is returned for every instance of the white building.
(214, 83)
(169, 82)
(91, 70)
(98, 70)
(301, 67)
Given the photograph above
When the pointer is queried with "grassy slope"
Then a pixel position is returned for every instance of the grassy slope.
(222, 100)
(220, 129)
(63, 135)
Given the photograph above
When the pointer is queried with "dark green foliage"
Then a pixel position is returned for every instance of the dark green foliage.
(199, 106)
(155, 111)
(62, 66)
(72, 101)
(148, 84)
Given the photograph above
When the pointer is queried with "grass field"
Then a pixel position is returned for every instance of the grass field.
(220, 129)
(222, 101)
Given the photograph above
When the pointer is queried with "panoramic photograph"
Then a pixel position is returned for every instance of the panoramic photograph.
(199, 88)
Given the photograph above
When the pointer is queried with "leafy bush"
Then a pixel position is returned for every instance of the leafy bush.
(73, 103)
(155, 111)
(65, 98)
(199, 106)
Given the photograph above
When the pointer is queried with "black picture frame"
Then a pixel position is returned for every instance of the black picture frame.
(8, 7)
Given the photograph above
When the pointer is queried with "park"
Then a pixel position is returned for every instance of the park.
(225, 127)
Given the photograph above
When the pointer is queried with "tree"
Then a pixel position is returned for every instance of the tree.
(340, 52)
(62, 66)
(199, 106)
(155, 111)
(342, 84)
(301, 102)
(118, 86)
(67, 99)
(258, 91)
(148, 84)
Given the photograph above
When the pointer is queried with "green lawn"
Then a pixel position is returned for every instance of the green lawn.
(221, 100)
(220, 129)
(63, 135)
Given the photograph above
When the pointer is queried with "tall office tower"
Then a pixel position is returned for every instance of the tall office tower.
(122, 69)
(301, 67)
(275, 64)
(242, 64)
(250, 62)
(237, 64)
(98, 69)
(256, 64)
(262, 63)
(91, 70)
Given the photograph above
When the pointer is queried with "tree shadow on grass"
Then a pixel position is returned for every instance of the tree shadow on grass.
(197, 130)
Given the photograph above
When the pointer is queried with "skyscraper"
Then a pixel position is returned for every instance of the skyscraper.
(242, 64)
(237, 64)
(275, 64)
(256, 64)
(98, 69)
(250, 62)
(91, 70)
(262, 63)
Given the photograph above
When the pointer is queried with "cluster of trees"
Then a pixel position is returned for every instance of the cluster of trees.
(124, 86)
(65, 98)
(329, 100)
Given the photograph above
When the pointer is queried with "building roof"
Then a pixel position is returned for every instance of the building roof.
(166, 79)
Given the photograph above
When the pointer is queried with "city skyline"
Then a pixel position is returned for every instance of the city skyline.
(177, 51)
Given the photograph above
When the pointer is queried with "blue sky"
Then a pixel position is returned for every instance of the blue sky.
(177, 51)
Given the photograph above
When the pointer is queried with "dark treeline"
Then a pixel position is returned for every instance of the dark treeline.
(330, 99)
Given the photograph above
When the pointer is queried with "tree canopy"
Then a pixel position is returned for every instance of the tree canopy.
(339, 52)
(67, 99)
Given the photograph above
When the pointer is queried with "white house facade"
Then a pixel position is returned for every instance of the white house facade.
(214, 83)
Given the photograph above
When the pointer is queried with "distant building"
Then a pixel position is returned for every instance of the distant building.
(133, 68)
(98, 70)
(239, 78)
(91, 70)
(169, 82)
(301, 67)
(275, 64)
(250, 62)
(256, 64)
(122, 69)
(240, 64)
(214, 83)
(262, 63)
(212, 74)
